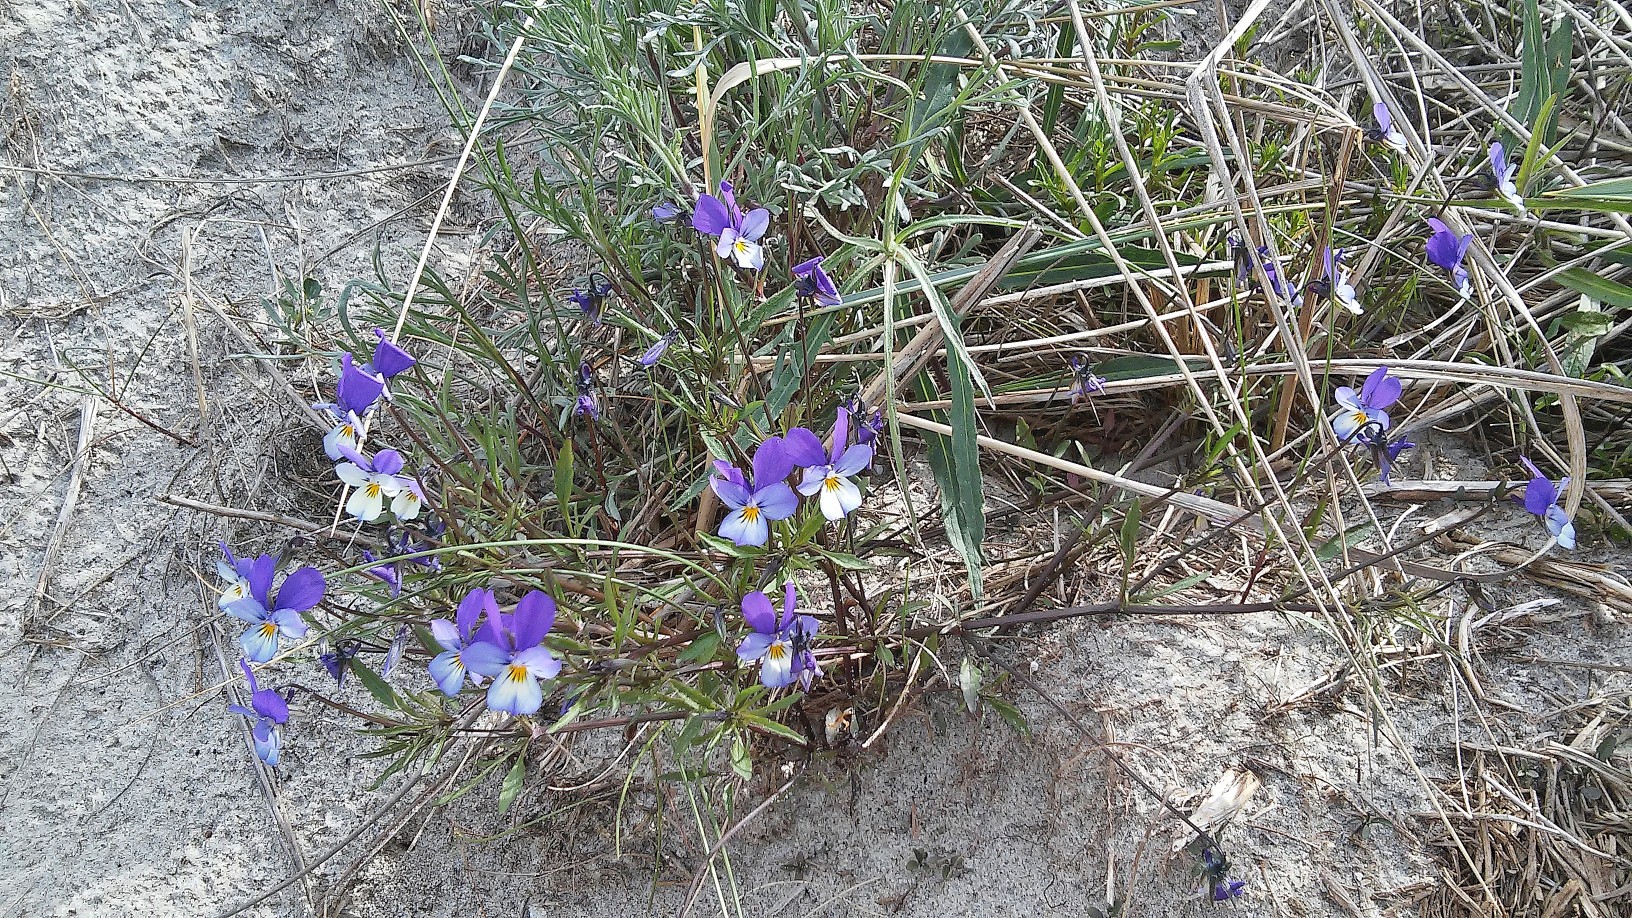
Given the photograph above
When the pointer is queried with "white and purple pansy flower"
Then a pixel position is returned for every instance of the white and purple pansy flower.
(1363, 414)
(1503, 172)
(273, 615)
(460, 645)
(520, 660)
(755, 505)
(781, 644)
(1541, 498)
(1334, 281)
(1386, 133)
(268, 711)
(372, 481)
(1446, 249)
(234, 573)
(737, 234)
(830, 473)
(346, 432)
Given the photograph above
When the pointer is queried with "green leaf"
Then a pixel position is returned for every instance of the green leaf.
(563, 485)
(513, 780)
(1601, 289)
(1544, 69)
(773, 727)
(1009, 713)
(741, 763)
(379, 688)
(1172, 588)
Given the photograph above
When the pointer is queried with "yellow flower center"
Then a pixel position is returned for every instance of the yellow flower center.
(777, 651)
(515, 672)
(372, 489)
(1360, 417)
(750, 514)
(741, 246)
(268, 629)
(347, 432)
(832, 482)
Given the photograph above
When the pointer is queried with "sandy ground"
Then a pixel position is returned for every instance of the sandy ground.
(126, 788)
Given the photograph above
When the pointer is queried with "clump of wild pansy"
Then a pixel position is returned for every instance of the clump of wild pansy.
(1447, 250)
(268, 711)
(1541, 498)
(779, 643)
(1362, 417)
(358, 392)
(272, 614)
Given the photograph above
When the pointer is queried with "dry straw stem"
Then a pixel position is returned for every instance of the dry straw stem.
(911, 358)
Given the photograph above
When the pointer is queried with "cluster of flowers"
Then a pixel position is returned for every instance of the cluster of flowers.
(1363, 417)
(757, 502)
(373, 479)
(248, 595)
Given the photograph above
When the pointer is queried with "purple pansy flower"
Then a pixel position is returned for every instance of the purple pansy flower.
(460, 646)
(665, 212)
(268, 712)
(1541, 498)
(1334, 281)
(273, 615)
(1446, 249)
(1220, 885)
(1084, 381)
(1503, 171)
(389, 360)
(586, 405)
(372, 481)
(404, 543)
(781, 643)
(869, 424)
(1386, 133)
(1245, 262)
(592, 299)
(655, 353)
(1363, 413)
(386, 572)
(521, 660)
(811, 282)
(235, 572)
(738, 233)
(754, 506)
(335, 660)
(357, 390)
(830, 475)
(1384, 453)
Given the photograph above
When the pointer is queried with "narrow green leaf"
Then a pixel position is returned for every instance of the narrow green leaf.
(513, 780)
(379, 688)
(1602, 289)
